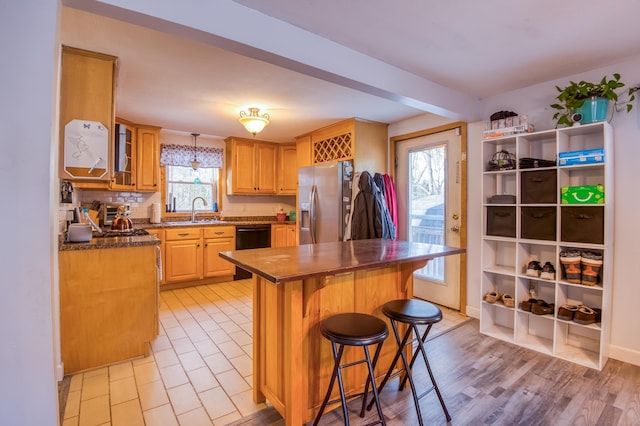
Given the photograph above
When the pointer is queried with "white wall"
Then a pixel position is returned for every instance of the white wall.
(535, 101)
(28, 254)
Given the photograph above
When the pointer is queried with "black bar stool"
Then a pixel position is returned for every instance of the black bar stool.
(353, 329)
(413, 313)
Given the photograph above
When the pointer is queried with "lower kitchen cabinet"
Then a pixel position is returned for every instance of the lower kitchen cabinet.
(283, 235)
(183, 250)
(191, 253)
(217, 239)
(108, 305)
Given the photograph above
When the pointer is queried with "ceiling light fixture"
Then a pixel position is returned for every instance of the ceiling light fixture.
(195, 163)
(253, 122)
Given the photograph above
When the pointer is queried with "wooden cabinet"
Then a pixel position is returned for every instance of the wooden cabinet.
(535, 224)
(183, 249)
(303, 150)
(148, 158)
(283, 235)
(217, 239)
(287, 169)
(191, 253)
(124, 156)
(108, 305)
(250, 166)
(364, 142)
(159, 233)
(86, 94)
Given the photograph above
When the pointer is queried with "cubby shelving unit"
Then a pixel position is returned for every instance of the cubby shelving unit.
(538, 227)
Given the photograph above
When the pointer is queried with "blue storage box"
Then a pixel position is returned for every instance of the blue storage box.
(585, 156)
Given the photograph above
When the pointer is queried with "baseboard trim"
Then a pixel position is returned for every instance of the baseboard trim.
(473, 312)
(624, 354)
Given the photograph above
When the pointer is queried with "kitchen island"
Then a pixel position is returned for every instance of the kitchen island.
(297, 287)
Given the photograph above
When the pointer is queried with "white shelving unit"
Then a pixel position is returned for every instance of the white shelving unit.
(539, 227)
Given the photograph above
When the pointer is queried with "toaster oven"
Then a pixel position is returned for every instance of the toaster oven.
(107, 214)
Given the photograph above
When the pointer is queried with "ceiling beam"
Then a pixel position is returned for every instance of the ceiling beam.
(239, 29)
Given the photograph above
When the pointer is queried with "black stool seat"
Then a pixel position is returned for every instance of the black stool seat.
(353, 329)
(412, 312)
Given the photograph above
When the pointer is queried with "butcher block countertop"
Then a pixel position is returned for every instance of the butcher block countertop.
(280, 265)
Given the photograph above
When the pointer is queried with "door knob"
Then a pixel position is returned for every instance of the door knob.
(455, 228)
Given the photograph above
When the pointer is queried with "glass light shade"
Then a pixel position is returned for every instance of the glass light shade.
(195, 164)
(253, 122)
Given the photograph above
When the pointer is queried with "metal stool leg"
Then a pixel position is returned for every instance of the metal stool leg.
(433, 380)
(336, 371)
(372, 378)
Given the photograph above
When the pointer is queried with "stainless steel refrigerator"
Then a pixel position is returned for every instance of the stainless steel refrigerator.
(324, 193)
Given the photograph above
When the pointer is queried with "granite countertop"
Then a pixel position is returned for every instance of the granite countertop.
(280, 265)
(111, 242)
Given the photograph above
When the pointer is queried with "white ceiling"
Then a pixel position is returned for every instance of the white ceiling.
(309, 63)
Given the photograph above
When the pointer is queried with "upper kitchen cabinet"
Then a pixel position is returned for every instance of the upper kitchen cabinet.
(287, 170)
(124, 159)
(364, 142)
(251, 166)
(86, 117)
(136, 157)
(148, 158)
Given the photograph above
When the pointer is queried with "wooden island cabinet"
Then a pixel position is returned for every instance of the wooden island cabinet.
(108, 300)
(294, 288)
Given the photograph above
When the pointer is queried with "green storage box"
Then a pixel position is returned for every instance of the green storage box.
(589, 194)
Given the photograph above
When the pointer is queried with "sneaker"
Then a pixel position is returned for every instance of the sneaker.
(534, 269)
(571, 267)
(548, 271)
(591, 264)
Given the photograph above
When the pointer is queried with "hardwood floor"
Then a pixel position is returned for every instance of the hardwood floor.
(485, 381)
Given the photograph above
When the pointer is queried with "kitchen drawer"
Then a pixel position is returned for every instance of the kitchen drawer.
(182, 234)
(219, 231)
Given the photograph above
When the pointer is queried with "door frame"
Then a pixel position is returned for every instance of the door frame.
(463, 190)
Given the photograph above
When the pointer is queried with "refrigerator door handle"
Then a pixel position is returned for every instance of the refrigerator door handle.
(312, 213)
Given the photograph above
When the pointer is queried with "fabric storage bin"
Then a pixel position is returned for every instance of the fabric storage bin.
(538, 187)
(501, 221)
(582, 224)
(538, 223)
(589, 194)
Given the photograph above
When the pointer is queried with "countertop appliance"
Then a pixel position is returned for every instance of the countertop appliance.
(324, 192)
(107, 214)
(250, 237)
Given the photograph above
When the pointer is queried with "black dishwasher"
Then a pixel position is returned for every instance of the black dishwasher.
(251, 237)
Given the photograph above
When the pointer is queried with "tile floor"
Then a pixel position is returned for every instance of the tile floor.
(199, 371)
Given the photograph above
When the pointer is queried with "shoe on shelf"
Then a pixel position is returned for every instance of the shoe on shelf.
(571, 267)
(507, 300)
(542, 308)
(586, 315)
(492, 296)
(591, 264)
(567, 312)
(548, 271)
(534, 269)
(526, 305)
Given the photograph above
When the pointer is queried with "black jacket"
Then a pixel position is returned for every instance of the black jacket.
(370, 217)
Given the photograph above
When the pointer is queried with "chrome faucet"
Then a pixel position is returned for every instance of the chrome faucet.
(193, 207)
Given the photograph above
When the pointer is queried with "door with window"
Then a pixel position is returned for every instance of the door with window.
(429, 180)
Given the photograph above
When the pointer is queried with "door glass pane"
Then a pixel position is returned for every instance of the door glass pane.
(427, 189)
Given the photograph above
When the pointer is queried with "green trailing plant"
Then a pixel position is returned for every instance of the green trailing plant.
(573, 96)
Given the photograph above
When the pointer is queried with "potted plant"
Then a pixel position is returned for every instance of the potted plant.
(587, 102)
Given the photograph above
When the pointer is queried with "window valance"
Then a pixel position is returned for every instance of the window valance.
(182, 155)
